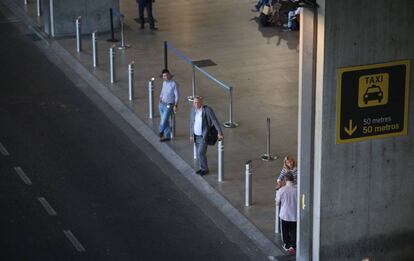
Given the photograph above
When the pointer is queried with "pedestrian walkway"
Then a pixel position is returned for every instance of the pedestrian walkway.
(261, 64)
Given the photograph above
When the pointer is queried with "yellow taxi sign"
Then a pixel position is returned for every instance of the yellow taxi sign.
(373, 90)
(372, 101)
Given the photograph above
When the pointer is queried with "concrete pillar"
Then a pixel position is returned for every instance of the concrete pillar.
(306, 124)
(61, 16)
(363, 206)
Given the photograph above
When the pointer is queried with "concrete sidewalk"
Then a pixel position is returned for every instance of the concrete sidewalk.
(261, 64)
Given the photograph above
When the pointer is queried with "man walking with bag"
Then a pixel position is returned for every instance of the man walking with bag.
(203, 121)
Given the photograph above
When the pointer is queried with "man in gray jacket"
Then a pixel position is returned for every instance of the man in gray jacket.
(201, 118)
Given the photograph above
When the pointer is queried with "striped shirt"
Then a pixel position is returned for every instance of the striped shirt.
(283, 173)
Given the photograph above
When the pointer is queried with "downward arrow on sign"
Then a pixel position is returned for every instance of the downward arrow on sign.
(351, 129)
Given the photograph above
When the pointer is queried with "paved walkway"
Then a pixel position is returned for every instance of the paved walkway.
(261, 64)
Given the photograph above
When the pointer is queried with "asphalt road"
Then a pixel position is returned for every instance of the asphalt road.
(73, 186)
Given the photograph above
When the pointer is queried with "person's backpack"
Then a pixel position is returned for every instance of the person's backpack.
(211, 137)
(264, 20)
(264, 16)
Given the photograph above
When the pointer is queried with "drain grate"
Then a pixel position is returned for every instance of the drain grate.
(204, 63)
(34, 37)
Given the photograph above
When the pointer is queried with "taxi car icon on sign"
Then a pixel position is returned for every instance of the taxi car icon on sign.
(373, 93)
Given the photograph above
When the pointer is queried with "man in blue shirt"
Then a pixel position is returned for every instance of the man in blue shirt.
(169, 97)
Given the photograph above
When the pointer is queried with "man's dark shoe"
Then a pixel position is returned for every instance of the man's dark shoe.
(165, 139)
(199, 171)
(161, 135)
(142, 26)
(203, 172)
(153, 29)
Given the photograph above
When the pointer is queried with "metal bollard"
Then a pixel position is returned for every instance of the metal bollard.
(151, 98)
(267, 156)
(248, 185)
(123, 45)
(194, 150)
(277, 220)
(78, 34)
(94, 49)
(172, 121)
(220, 148)
(131, 81)
(112, 70)
(191, 98)
(38, 8)
(230, 123)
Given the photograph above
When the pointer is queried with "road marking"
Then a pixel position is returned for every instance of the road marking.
(47, 206)
(75, 242)
(9, 20)
(3, 150)
(23, 175)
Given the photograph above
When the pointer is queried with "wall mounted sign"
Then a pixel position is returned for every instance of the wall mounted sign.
(372, 101)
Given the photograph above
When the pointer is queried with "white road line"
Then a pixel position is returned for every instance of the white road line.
(9, 20)
(47, 206)
(23, 176)
(75, 242)
(3, 150)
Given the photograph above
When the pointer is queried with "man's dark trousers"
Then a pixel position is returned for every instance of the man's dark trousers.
(148, 5)
(289, 233)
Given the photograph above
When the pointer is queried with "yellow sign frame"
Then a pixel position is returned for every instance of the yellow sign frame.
(404, 131)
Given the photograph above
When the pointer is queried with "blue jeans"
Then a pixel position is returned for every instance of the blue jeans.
(201, 147)
(165, 124)
(291, 14)
(260, 4)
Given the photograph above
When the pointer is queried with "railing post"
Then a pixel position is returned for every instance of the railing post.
(248, 185)
(112, 69)
(277, 219)
(111, 21)
(94, 49)
(131, 81)
(38, 8)
(151, 98)
(267, 156)
(165, 55)
(123, 45)
(78, 34)
(191, 98)
(172, 121)
(194, 150)
(230, 123)
(220, 160)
